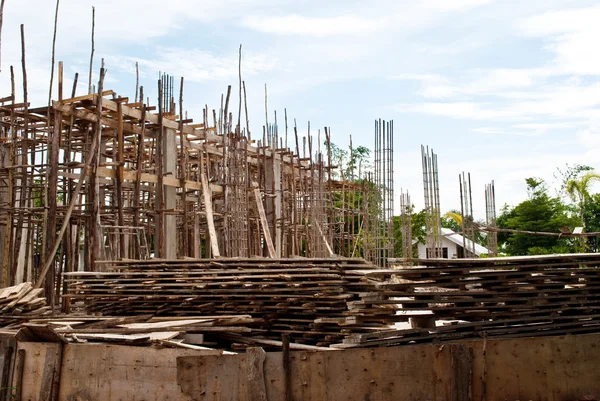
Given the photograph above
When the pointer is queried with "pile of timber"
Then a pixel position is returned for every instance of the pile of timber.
(499, 297)
(493, 288)
(21, 302)
(306, 299)
(138, 330)
(347, 303)
(503, 328)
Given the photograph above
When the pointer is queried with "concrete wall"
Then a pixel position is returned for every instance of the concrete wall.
(550, 368)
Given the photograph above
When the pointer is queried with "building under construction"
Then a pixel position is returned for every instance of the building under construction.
(105, 177)
(151, 255)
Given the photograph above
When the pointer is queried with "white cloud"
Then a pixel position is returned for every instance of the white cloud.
(196, 65)
(590, 138)
(462, 110)
(558, 102)
(455, 5)
(419, 77)
(360, 19)
(294, 24)
(571, 35)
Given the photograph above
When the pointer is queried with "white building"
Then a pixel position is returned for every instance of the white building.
(452, 246)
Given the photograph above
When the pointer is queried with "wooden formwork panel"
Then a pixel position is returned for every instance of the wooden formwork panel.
(548, 369)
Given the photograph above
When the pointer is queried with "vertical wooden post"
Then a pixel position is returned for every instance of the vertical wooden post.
(119, 178)
(95, 224)
(52, 205)
(278, 201)
(7, 239)
(287, 374)
(20, 238)
(138, 173)
(182, 174)
(159, 241)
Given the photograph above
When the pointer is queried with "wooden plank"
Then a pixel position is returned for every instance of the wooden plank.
(264, 223)
(18, 374)
(38, 333)
(228, 377)
(461, 385)
(208, 208)
(129, 338)
(324, 239)
(86, 97)
(6, 359)
(255, 360)
(107, 372)
(51, 370)
(285, 363)
(164, 325)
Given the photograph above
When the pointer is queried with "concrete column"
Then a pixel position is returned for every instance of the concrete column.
(170, 193)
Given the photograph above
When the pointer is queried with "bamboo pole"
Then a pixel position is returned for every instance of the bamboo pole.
(24, 152)
(92, 53)
(10, 192)
(1, 21)
(53, 54)
(160, 203)
(240, 84)
(137, 82)
(95, 222)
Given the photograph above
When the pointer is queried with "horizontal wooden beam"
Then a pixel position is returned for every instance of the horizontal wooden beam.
(130, 175)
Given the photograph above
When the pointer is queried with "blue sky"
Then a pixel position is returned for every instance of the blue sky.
(502, 89)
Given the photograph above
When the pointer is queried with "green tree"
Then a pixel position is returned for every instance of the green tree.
(360, 196)
(418, 232)
(591, 216)
(568, 173)
(353, 163)
(579, 191)
(453, 221)
(541, 213)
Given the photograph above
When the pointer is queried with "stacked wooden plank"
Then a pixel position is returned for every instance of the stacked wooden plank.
(20, 302)
(349, 303)
(132, 330)
(305, 298)
(478, 289)
(504, 328)
(505, 297)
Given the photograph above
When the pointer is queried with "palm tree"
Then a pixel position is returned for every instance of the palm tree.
(578, 190)
(454, 216)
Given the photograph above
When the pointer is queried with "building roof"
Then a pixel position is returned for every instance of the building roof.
(458, 240)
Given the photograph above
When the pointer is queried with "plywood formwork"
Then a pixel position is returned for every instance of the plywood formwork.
(550, 368)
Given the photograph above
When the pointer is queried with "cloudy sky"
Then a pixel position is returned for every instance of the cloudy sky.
(502, 89)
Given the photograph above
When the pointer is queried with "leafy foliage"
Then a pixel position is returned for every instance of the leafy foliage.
(540, 213)
(591, 216)
(418, 232)
(353, 163)
(568, 173)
